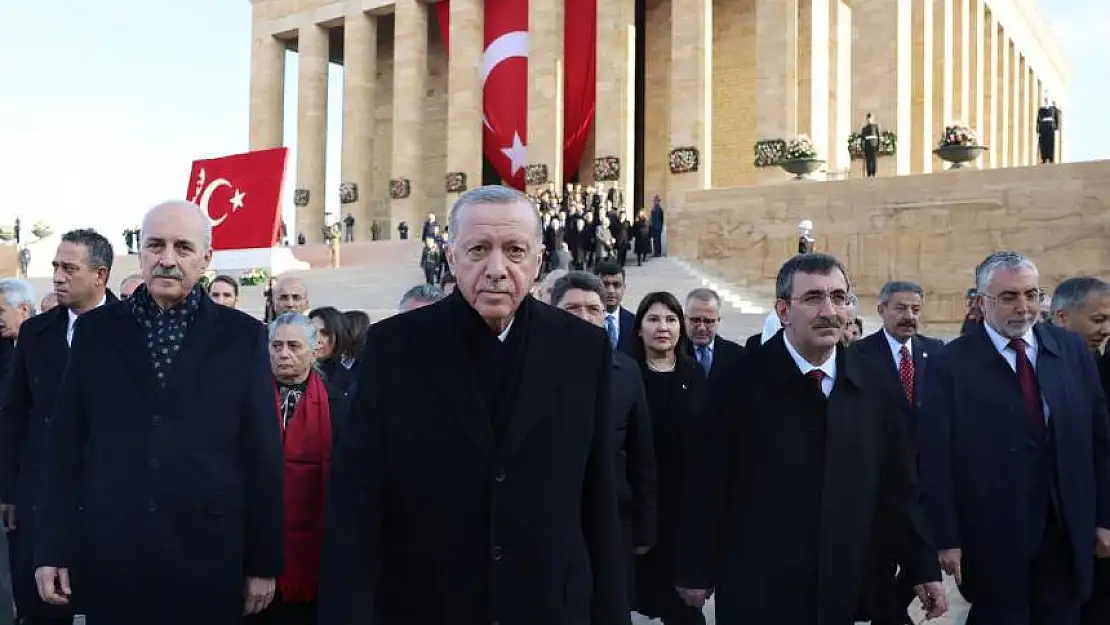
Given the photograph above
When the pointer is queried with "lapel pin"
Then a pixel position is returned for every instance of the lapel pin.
(684, 387)
(924, 355)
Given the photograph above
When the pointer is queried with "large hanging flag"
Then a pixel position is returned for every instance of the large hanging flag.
(241, 194)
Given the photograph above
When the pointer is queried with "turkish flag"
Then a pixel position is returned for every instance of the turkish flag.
(241, 194)
(504, 76)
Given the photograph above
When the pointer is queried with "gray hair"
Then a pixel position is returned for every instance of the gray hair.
(206, 236)
(133, 277)
(1071, 294)
(899, 286)
(298, 320)
(1011, 261)
(99, 250)
(581, 280)
(703, 294)
(490, 194)
(816, 263)
(421, 293)
(18, 292)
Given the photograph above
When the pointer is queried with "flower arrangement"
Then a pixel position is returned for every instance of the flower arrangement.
(769, 152)
(535, 174)
(888, 145)
(41, 230)
(253, 277)
(800, 148)
(607, 169)
(684, 160)
(959, 135)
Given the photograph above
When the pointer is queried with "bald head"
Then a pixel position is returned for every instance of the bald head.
(290, 294)
(187, 214)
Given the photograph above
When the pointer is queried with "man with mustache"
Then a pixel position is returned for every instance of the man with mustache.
(904, 354)
(82, 267)
(802, 458)
(493, 498)
(1015, 456)
(165, 508)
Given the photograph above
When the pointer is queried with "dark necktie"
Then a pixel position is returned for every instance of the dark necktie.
(1030, 390)
(818, 376)
(905, 372)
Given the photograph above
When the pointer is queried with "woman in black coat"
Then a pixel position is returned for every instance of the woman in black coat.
(676, 387)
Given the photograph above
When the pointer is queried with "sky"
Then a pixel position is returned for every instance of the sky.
(104, 104)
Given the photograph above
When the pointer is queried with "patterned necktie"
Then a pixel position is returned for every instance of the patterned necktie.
(611, 330)
(905, 373)
(703, 358)
(818, 377)
(1030, 389)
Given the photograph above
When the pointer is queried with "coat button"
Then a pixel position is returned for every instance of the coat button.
(154, 464)
(152, 506)
(156, 420)
(496, 554)
(499, 476)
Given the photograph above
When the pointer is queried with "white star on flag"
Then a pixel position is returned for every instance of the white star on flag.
(518, 154)
(237, 200)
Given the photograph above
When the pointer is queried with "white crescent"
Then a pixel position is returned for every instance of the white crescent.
(513, 44)
(207, 195)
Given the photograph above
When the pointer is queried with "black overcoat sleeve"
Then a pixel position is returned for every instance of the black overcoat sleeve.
(263, 467)
(352, 552)
(640, 449)
(935, 453)
(601, 524)
(14, 422)
(1100, 438)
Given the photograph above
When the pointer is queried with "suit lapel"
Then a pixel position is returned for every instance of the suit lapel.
(526, 411)
(55, 348)
(920, 361)
(201, 336)
(1051, 372)
(456, 386)
(129, 338)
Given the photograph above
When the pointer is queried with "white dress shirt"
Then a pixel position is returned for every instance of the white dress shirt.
(896, 348)
(828, 367)
(73, 319)
(1002, 344)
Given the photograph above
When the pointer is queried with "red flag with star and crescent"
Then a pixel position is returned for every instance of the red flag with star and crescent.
(241, 194)
(504, 76)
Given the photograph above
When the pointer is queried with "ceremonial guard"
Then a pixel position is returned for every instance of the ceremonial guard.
(870, 134)
(1048, 122)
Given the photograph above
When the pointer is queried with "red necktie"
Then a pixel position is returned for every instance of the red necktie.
(818, 376)
(1030, 390)
(905, 372)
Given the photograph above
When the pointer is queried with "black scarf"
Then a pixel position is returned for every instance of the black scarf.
(497, 365)
(164, 330)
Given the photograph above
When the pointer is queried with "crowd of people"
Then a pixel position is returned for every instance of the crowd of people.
(511, 452)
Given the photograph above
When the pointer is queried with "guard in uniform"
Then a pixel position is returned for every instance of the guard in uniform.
(870, 133)
(1048, 122)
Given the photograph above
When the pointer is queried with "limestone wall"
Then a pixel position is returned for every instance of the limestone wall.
(933, 228)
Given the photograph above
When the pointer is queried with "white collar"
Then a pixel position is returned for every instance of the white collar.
(73, 316)
(505, 333)
(828, 367)
(1002, 343)
(896, 345)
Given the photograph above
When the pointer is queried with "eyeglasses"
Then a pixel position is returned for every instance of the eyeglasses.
(1011, 298)
(839, 299)
(702, 321)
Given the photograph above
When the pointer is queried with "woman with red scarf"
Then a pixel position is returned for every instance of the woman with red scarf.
(308, 409)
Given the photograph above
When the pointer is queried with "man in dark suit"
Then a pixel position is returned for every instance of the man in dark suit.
(1015, 457)
(165, 436)
(713, 352)
(802, 460)
(619, 322)
(492, 498)
(82, 267)
(1082, 305)
(582, 294)
(904, 354)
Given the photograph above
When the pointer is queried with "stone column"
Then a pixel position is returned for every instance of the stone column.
(1033, 102)
(1005, 78)
(990, 88)
(1021, 106)
(840, 85)
(975, 38)
(961, 60)
(615, 111)
(545, 106)
(410, 74)
(881, 81)
(267, 117)
(692, 90)
(943, 83)
(922, 140)
(360, 61)
(814, 72)
(464, 94)
(312, 129)
(1014, 118)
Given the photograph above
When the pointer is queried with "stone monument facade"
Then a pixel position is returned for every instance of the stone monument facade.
(717, 76)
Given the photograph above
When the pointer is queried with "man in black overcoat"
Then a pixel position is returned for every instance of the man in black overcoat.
(165, 438)
(802, 460)
(475, 483)
(84, 264)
